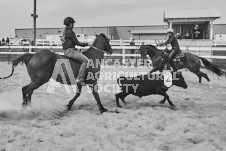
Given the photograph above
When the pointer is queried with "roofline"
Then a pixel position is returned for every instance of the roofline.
(213, 17)
(193, 18)
(95, 26)
(189, 9)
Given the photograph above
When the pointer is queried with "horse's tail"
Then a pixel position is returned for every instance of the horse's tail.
(25, 58)
(212, 67)
(8, 75)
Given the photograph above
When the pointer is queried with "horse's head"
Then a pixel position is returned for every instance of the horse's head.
(143, 51)
(148, 50)
(103, 43)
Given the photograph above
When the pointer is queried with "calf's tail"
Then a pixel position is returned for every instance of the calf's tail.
(119, 80)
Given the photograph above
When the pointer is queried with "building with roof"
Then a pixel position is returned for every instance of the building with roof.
(198, 23)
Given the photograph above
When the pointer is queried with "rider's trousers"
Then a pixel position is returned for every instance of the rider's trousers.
(74, 54)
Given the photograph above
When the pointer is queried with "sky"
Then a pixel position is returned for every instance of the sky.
(51, 13)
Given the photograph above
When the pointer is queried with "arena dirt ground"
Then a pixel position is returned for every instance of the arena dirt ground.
(198, 123)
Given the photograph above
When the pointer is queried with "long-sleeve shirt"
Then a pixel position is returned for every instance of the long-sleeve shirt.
(173, 41)
(70, 40)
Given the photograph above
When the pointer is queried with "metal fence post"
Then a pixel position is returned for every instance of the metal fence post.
(30, 49)
(9, 55)
(123, 55)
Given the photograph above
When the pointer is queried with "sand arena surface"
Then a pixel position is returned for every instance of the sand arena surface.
(197, 124)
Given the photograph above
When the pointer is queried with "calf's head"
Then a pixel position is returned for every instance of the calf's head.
(178, 80)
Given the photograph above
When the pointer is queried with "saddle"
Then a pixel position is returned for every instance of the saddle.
(180, 56)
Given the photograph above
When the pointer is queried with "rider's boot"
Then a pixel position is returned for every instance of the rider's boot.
(81, 74)
(172, 64)
(172, 54)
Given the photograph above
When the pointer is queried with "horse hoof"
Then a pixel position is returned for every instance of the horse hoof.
(102, 110)
(172, 106)
(119, 106)
(125, 103)
(24, 104)
(68, 107)
(162, 102)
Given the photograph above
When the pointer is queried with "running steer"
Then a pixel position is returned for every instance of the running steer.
(144, 85)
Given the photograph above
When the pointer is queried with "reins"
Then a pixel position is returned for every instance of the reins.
(99, 49)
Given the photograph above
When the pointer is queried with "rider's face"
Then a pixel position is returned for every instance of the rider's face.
(168, 34)
(71, 25)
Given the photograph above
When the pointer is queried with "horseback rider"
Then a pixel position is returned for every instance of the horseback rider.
(175, 47)
(70, 40)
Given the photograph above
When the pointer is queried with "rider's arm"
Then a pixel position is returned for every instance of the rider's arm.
(170, 40)
(75, 40)
(161, 44)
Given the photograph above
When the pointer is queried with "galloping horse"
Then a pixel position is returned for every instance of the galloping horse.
(189, 61)
(40, 67)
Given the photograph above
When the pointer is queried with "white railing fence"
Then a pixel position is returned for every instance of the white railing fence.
(182, 42)
(122, 51)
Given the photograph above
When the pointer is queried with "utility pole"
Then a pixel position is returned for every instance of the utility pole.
(34, 15)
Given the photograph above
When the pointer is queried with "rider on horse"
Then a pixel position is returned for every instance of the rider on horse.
(175, 47)
(70, 40)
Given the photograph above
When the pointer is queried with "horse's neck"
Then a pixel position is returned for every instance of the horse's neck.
(94, 55)
(152, 52)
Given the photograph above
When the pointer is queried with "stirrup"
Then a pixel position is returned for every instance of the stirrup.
(80, 82)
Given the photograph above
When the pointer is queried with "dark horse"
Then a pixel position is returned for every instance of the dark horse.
(40, 67)
(189, 61)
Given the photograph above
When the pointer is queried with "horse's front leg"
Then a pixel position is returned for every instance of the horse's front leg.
(159, 67)
(97, 97)
(71, 102)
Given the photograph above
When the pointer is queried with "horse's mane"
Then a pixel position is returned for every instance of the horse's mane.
(154, 47)
(151, 46)
(151, 50)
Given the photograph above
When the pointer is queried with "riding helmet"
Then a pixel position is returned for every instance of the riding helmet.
(68, 20)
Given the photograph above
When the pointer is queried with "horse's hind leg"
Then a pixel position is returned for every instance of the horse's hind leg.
(24, 104)
(28, 91)
(29, 97)
(71, 102)
(205, 76)
(200, 75)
